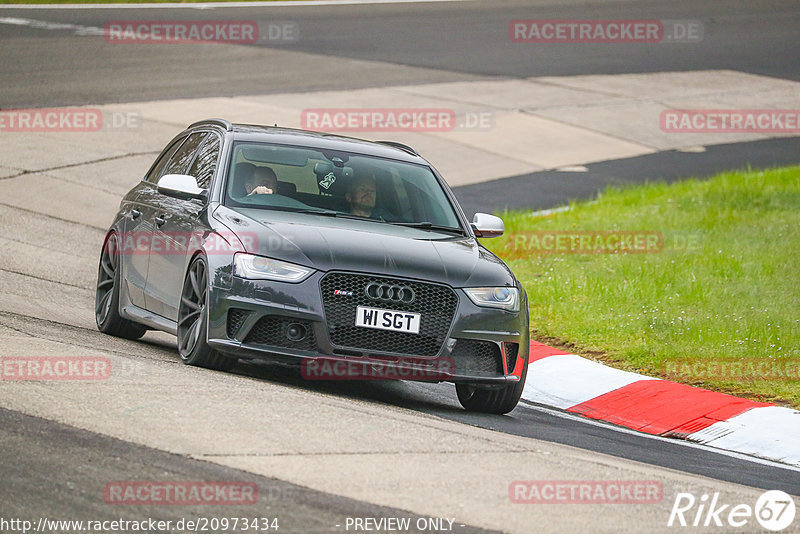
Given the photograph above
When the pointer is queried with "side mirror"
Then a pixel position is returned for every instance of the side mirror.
(485, 225)
(180, 186)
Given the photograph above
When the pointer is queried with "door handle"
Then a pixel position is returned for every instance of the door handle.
(135, 214)
(160, 221)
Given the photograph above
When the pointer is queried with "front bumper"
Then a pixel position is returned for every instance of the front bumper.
(253, 319)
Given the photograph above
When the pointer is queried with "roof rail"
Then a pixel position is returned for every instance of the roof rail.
(401, 146)
(219, 122)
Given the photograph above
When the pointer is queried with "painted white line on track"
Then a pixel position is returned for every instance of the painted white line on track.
(573, 168)
(214, 5)
(44, 25)
(680, 442)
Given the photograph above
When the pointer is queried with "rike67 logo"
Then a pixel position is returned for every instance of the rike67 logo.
(774, 510)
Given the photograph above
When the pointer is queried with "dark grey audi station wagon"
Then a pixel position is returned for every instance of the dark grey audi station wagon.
(349, 258)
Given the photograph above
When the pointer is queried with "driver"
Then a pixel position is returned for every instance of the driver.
(263, 181)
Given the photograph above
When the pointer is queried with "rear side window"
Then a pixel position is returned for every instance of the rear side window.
(206, 162)
(179, 164)
(158, 167)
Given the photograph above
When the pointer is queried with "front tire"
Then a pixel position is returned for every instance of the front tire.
(106, 302)
(492, 400)
(193, 319)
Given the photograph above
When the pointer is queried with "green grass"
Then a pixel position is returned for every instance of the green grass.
(724, 288)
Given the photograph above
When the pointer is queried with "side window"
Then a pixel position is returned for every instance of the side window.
(158, 167)
(179, 164)
(206, 162)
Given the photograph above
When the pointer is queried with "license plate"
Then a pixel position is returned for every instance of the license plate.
(388, 319)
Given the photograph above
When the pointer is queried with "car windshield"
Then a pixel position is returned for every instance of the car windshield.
(340, 184)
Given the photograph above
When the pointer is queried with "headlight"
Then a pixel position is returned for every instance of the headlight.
(506, 298)
(261, 268)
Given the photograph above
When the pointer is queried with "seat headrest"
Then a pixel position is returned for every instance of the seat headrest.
(241, 172)
(243, 168)
(286, 188)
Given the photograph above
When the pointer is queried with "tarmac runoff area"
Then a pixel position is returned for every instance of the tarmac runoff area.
(473, 132)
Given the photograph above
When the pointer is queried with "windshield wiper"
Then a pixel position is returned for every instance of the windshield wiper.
(339, 214)
(427, 225)
(423, 225)
(326, 213)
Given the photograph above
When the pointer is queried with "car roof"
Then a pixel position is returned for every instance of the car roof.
(317, 140)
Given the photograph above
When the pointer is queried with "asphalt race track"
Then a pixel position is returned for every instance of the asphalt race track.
(438, 41)
(320, 453)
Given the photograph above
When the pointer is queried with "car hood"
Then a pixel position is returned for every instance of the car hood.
(328, 243)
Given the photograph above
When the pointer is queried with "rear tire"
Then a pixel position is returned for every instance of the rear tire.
(106, 302)
(193, 319)
(492, 400)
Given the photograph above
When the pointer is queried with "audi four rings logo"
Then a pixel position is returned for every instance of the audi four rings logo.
(389, 292)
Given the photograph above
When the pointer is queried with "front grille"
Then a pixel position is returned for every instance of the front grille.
(477, 358)
(512, 349)
(436, 303)
(236, 317)
(271, 330)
